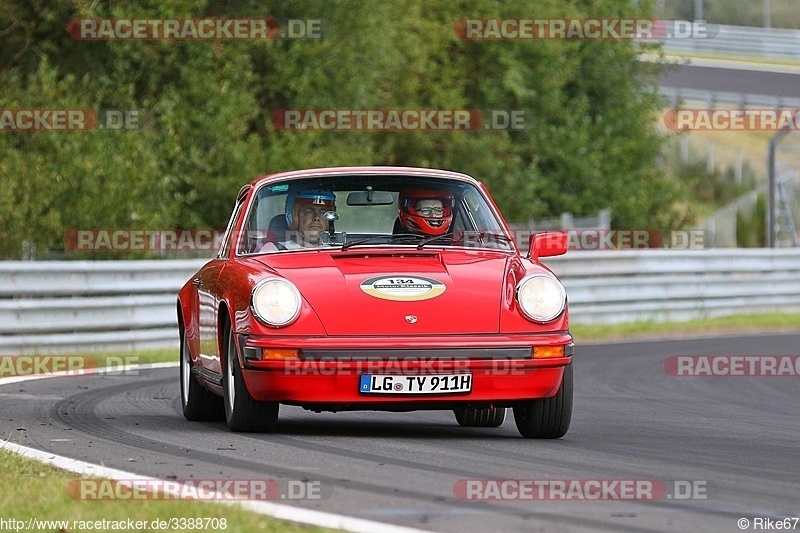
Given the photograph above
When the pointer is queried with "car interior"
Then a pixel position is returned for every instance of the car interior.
(367, 209)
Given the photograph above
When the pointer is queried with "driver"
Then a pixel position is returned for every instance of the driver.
(305, 221)
(426, 212)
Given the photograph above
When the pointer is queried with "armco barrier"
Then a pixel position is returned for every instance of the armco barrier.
(48, 307)
(67, 306)
(769, 43)
(664, 285)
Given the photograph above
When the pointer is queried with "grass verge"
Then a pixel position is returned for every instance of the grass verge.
(39, 491)
(163, 355)
(752, 323)
(734, 58)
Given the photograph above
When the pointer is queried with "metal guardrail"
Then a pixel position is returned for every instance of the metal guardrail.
(67, 306)
(50, 307)
(745, 41)
(669, 285)
(674, 95)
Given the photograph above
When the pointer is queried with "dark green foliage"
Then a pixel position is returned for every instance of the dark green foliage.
(751, 227)
(589, 143)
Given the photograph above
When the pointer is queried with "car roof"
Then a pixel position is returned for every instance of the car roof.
(364, 171)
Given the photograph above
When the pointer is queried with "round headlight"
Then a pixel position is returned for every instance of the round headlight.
(542, 298)
(276, 302)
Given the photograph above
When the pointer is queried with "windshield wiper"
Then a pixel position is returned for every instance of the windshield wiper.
(396, 236)
(479, 234)
(498, 236)
(431, 239)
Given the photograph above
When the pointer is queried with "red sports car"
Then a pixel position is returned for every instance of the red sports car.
(378, 288)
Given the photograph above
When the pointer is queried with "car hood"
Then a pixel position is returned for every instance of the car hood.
(398, 293)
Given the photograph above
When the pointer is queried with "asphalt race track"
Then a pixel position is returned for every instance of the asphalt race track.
(783, 84)
(733, 438)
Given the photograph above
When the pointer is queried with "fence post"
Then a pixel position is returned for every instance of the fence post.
(710, 157)
(771, 174)
(738, 169)
(604, 219)
(684, 144)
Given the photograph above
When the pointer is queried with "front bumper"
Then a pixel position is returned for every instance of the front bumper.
(327, 374)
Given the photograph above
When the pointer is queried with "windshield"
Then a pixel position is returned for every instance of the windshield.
(382, 211)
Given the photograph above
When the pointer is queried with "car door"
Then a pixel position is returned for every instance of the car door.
(209, 292)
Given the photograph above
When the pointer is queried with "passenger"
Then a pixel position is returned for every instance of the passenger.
(425, 212)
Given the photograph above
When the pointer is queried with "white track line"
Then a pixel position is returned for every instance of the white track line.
(275, 510)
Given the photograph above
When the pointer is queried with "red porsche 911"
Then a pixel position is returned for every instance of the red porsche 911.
(378, 288)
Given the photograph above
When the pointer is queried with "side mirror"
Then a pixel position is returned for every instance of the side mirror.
(547, 244)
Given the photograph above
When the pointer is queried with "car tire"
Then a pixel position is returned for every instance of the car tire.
(198, 403)
(487, 417)
(547, 418)
(242, 412)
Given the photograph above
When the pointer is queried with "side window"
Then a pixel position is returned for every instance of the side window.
(265, 221)
(478, 212)
(227, 240)
(474, 215)
(459, 221)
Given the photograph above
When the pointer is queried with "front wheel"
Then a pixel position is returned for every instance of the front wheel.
(547, 418)
(198, 403)
(242, 412)
(488, 417)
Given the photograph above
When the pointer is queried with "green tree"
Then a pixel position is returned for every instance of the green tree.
(589, 141)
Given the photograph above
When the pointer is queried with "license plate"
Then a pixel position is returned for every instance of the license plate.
(427, 384)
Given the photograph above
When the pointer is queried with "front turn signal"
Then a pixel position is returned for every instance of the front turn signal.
(547, 352)
(280, 354)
